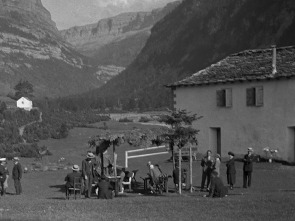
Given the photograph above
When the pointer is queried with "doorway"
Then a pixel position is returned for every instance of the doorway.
(215, 139)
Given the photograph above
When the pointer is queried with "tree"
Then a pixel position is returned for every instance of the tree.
(23, 89)
(181, 134)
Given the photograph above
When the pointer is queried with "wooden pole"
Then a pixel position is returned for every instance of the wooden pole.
(180, 181)
(191, 168)
(115, 159)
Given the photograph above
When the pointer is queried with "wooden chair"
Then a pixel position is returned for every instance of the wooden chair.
(129, 182)
(76, 188)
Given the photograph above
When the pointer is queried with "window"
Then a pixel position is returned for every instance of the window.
(254, 96)
(224, 97)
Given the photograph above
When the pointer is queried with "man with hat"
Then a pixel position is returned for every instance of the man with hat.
(88, 173)
(17, 175)
(231, 170)
(70, 178)
(248, 168)
(3, 175)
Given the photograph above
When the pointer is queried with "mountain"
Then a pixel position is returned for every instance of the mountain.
(32, 49)
(116, 40)
(193, 36)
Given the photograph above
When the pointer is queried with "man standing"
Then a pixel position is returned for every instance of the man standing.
(17, 175)
(248, 168)
(207, 164)
(231, 170)
(88, 173)
(2, 175)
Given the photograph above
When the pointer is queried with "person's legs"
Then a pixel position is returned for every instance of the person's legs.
(245, 176)
(90, 180)
(204, 175)
(208, 180)
(249, 178)
(17, 186)
(2, 188)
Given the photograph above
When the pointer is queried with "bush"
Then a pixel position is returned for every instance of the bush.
(144, 119)
(125, 120)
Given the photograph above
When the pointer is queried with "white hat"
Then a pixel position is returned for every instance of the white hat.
(76, 168)
(15, 159)
(2, 159)
(90, 155)
(250, 149)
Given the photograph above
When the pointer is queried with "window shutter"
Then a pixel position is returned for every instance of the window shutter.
(259, 96)
(228, 97)
(220, 98)
(250, 96)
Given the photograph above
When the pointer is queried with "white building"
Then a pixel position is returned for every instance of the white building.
(246, 99)
(24, 103)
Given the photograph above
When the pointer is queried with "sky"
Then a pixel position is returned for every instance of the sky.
(69, 13)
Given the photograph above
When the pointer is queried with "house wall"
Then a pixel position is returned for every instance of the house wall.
(242, 126)
(24, 103)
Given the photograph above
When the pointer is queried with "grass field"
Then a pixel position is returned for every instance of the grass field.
(272, 196)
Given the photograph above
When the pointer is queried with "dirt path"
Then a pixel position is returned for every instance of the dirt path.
(22, 128)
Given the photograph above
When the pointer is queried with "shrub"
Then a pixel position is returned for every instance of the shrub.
(144, 119)
(125, 120)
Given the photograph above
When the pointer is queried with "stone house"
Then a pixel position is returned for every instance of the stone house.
(246, 100)
(24, 103)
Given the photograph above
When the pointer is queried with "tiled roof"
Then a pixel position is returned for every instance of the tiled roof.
(244, 66)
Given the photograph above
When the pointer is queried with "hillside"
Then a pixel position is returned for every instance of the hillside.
(32, 49)
(116, 40)
(193, 36)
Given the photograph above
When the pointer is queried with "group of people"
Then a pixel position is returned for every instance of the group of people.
(16, 175)
(93, 178)
(211, 173)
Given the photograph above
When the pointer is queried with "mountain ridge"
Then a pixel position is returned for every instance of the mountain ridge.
(193, 36)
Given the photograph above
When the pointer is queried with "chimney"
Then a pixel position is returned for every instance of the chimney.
(274, 59)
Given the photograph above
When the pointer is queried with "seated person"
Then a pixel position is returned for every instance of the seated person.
(105, 188)
(71, 177)
(217, 189)
(154, 174)
(121, 173)
(176, 176)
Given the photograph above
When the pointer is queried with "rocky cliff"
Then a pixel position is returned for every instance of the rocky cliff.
(116, 40)
(193, 36)
(32, 49)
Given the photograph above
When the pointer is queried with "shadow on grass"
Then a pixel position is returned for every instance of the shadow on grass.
(61, 188)
(286, 190)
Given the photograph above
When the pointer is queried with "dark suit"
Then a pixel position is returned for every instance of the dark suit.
(16, 176)
(88, 170)
(217, 189)
(105, 190)
(247, 170)
(2, 178)
(231, 172)
(207, 166)
(70, 179)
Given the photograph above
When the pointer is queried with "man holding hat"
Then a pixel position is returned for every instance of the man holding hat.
(231, 170)
(71, 177)
(88, 173)
(248, 168)
(17, 175)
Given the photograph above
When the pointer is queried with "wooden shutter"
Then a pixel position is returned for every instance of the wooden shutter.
(250, 96)
(220, 98)
(228, 97)
(259, 96)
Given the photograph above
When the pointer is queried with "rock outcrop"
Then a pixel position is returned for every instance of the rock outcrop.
(116, 40)
(32, 49)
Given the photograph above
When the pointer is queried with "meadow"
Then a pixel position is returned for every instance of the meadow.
(271, 197)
